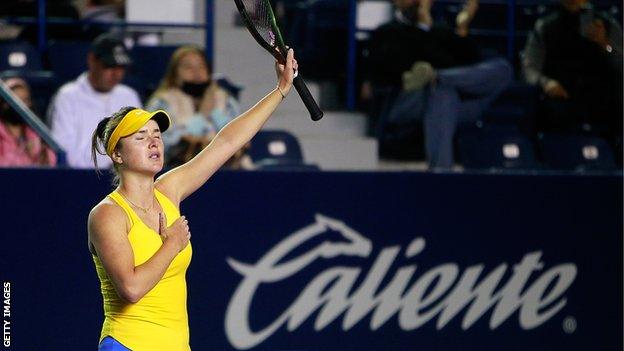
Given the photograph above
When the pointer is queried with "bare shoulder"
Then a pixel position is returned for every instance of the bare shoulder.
(106, 215)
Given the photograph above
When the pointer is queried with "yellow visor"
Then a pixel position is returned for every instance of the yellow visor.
(132, 122)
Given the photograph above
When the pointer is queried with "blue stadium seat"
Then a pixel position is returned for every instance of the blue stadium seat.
(277, 149)
(19, 56)
(397, 140)
(148, 68)
(576, 152)
(494, 147)
(516, 105)
(68, 59)
(21, 59)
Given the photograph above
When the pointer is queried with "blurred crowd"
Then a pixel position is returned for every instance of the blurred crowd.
(433, 77)
(437, 73)
(198, 104)
(198, 107)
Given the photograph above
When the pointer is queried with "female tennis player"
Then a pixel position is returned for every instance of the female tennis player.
(138, 240)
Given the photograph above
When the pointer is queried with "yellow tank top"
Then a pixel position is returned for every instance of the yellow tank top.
(158, 321)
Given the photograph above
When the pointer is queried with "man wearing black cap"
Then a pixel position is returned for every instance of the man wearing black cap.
(79, 105)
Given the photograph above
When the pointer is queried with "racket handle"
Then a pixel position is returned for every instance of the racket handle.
(308, 100)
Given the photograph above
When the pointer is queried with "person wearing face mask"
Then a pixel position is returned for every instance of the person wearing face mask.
(98, 92)
(198, 107)
(20, 146)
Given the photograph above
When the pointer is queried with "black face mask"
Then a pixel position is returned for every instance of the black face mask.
(195, 90)
(10, 116)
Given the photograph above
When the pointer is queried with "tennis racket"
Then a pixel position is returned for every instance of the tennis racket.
(260, 20)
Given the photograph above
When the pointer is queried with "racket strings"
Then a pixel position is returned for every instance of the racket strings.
(260, 16)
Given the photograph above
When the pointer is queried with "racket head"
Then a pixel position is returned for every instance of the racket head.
(260, 20)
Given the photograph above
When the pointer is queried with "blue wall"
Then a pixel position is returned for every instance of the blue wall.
(566, 230)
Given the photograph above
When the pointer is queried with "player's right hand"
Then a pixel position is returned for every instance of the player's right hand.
(178, 233)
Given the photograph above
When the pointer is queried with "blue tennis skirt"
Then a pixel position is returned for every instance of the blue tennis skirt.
(110, 344)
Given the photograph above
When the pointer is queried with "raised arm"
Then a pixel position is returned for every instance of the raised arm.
(109, 236)
(182, 181)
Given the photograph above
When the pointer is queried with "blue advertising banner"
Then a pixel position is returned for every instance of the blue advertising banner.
(341, 261)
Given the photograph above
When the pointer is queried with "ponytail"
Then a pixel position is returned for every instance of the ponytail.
(101, 134)
(98, 141)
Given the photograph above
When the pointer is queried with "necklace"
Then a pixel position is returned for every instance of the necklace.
(144, 209)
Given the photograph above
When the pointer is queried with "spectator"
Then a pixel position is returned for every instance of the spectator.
(79, 105)
(575, 56)
(443, 77)
(198, 106)
(20, 146)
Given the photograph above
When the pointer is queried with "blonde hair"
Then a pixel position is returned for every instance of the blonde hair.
(170, 78)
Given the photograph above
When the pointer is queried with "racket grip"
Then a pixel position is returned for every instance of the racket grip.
(308, 100)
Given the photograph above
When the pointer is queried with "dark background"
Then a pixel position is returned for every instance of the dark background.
(466, 219)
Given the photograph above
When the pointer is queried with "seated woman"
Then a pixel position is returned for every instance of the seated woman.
(20, 146)
(198, 107)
